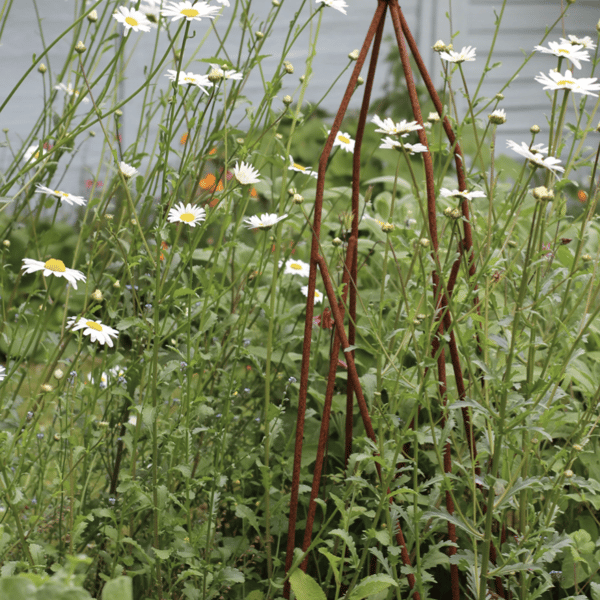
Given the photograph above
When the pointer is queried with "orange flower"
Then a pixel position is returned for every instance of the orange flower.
(253, 193)
(220, 186)
(212, 151)
(208, 182)
(184, 138)
(581, 196)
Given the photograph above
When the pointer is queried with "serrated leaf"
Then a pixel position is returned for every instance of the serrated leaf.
(231, 575)
(371, 585)
(305, 587)
(347, 538)
(243, 512)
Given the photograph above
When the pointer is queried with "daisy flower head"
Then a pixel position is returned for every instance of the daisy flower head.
(95, 329)
(189, 11)
(585, 41)
(467, 54)
(219, 72)
(535, 155)
(344, 141)
(574, 52)
(403, 128)
(498, 116)
(188, 214)
(151, 8)
(556, 81)
(33, 152)
(389, 143)
(184, 78)
(246, 173)
(337, 4)
(463, 195)
(53, 266)
(265, 221)
(68, 89)
(63, 196)
(306, 170)
(295, 267)
(127, 170)
(318, 294)
(132, 19)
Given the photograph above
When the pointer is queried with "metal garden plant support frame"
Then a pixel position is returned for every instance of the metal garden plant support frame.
(343, 340)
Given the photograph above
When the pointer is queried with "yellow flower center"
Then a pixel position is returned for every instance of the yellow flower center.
(131, 22)
(296, 266)
(299, 167)
(564, 51)
(565, 82)
(343, 139)
(190, 12)
(187, 217)
(59, 193)
(317, 294)
(58, 266)
(188, 79)
(94, 325)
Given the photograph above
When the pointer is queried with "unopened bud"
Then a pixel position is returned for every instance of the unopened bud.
(298, 199)
(336, 242)
(80, 47)
(287, 100)
(46, 387)
(97, 295)
(569, 473)
(289, 67)
(543, 194)
(360, 81)
(387, 227)
(6, 243)
(353, 55)
(93, 16)
(534, 129)
(58, 374)
(424, 242)
(215, 75)
(42, 68)
(433, 117)
(259, 34)
(439, 46)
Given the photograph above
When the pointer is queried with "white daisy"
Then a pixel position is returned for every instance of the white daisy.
(574, 52)
(318, 294)
(585, 41)
(556, 81)
(151, 8)
(127, 170)
(498, 116)
(33, 152)
(132, 19)
(458, 194)
(53, 266)
(535, 155)
(224, 2)
(403, 128)
(246, 173)
(2, 373)
(467, 54)
(132, 420)
(103, 379)
(337, 4)
(188, 214)
(344, 141)
(95, 329)
(185, 10)
(64, 196)
(119, 373)
(306, 170)
(220, 73)
(200, 81)
(389, 143)
(68, 89)
(265, 221)
(295, 267)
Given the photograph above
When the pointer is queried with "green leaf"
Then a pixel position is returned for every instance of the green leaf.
(348, 541)
(186, 291)
(334, 562)
(255, 595)
(118, 589)
(371, 585)
(17, 588)
(162, 554)
(231, 575)
(305, 587)
(243, 512)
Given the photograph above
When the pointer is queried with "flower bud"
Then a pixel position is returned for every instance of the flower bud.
(298, 199)
(291, 191)
(42, 68)
(424, 242)
(276, 3)
(93, 16)
(287, 100)
(439, 46)
(433, 117)
(353, 55)
(497, 117)
(302, 78)
(215, 75)
(58, 374)
(499, 96)
(46, 387)
(336, 242)
(598, 127)
(387, 227)
(360, 81)
(577, 447)
(569, 473)
(117, 284)
(6, 243)
(534, 129)
(80, 47)
(543, 194)
(97, 295)
(259, 34)
(289, 67)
